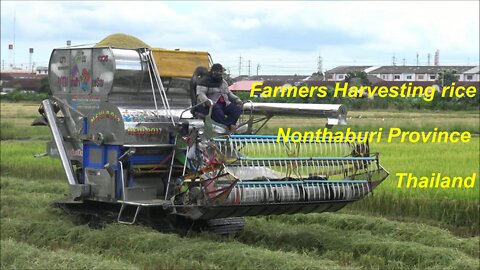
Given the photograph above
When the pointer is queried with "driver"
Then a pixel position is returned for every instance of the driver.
(226, 107)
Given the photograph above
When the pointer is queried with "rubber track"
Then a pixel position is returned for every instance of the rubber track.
(99, 215)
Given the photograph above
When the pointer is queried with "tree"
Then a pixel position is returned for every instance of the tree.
(446, 77)
(44, 86)
(227, 77)
(357, 78)
(317, 76)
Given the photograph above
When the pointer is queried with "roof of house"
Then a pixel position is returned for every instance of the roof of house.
(314, 77)
(400, 83)
(284, 78)
(318, 83)
(17, 75)
(421, 83)
(474, 70)
(32, 84)
(346, 69)
(21, 80)
(242, 85)
(418, 69)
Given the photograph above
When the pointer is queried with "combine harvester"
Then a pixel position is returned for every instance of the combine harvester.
(127, 136)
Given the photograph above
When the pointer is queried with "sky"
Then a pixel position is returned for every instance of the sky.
(275, 37)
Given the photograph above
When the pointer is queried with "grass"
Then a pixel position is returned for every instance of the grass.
(28, 218)
(372, 120)
(18, 160)
(16, 120)
(33, 232)
(453, 207)
(458, 207)
(449, 159)
(20, 130)
(362, 241)
(35, 235)
(18, 255)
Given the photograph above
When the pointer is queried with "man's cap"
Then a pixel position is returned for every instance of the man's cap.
(217, 67)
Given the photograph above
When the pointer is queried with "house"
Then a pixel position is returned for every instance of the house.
(417, 73)
(472, 75)
(339, 73)
(283, 78)
(42, 70)
(405, 73)
(244, 83)
(243, 86)
(21, 80)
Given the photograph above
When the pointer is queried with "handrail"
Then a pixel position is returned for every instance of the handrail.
(191, 107)
(161, 90)
(123, 180)
(171, 167)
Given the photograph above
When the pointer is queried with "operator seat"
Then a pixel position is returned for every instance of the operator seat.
(198, 74)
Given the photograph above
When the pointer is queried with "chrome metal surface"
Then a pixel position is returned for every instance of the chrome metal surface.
(58, 138)
(330, 111)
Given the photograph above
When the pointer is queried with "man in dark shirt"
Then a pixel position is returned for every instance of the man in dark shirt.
(213, 90)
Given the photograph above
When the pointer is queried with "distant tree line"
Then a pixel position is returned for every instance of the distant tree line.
(18, 95)
(360, 78)
(354, 78)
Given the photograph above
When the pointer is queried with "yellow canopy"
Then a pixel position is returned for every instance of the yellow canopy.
(176, 63)
(170, 63)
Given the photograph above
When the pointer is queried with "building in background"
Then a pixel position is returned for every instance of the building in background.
(406, 73)
(21, 80)
(339, 73)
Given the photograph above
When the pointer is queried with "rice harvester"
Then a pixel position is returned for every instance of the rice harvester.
(126, 132)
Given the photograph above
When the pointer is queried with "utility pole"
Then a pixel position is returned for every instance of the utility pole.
(30, 51)
(240, 65)
(248, 67)
(11, 47)
(436, 60)
(258, 67)
(320, 64)
(417, 59)
(393, 60)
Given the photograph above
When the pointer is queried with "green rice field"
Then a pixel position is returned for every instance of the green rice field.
(393, 228)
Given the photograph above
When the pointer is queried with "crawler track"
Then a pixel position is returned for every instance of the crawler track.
(98, 214)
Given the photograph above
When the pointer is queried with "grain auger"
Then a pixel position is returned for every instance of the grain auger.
(123, 127)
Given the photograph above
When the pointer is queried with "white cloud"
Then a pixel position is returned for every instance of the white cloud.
(245, 23)
(351, 31)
